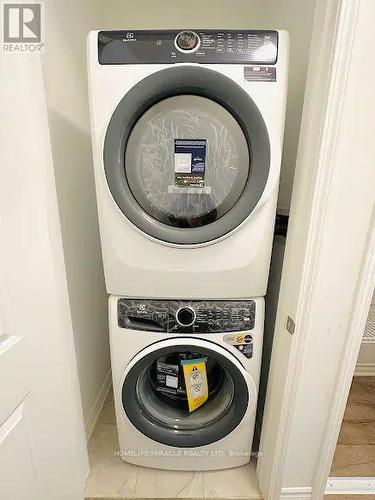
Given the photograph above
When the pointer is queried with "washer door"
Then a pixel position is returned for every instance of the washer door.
(186, 155)
(161, 412)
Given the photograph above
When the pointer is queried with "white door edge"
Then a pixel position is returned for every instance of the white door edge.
(336, 33)
(364, 294)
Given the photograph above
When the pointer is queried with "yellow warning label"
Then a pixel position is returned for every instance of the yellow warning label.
(195, 375)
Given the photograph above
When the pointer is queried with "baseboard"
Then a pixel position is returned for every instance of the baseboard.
(365, 370)
(296, 493)
(98, 405)
(350, 485)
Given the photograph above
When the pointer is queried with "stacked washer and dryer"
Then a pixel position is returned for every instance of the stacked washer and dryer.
(187, 133)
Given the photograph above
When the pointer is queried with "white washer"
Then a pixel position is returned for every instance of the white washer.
(187, 131)
(148, 344)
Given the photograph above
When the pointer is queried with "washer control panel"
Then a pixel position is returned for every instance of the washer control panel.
(181, 316)
(195, 46)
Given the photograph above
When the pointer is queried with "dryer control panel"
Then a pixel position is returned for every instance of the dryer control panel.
(193, 46)
(182, 316)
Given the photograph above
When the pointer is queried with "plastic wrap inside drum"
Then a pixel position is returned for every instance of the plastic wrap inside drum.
(187, 161)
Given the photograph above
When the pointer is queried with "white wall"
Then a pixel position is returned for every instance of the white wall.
(296, 16)
(64, 66)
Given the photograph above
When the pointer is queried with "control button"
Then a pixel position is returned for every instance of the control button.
(248, 350)
(187, 41)
(185, 316)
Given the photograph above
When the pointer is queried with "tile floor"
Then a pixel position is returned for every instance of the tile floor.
(111, 478)
(355, 450)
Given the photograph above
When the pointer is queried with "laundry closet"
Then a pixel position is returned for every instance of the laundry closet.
(208, 301)
(160, 335)
(173, 295)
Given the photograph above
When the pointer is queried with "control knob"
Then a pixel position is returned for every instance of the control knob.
(185, 316)
(187, 41)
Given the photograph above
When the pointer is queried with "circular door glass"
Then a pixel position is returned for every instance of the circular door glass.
(186, 155)
(187, 161)
(156, 396)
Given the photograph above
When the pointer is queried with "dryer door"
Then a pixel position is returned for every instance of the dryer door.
(158, 407)
(186, 155)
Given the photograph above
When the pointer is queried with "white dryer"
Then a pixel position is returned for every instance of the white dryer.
(150, 339)
(187, 131)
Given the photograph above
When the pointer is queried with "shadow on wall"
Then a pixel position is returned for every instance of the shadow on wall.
(272, 298)
(75, 186)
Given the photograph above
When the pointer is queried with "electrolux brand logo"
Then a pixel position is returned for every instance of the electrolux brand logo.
(129, 37)
(23, 28)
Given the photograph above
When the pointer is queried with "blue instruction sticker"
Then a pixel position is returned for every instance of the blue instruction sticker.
(189, 162)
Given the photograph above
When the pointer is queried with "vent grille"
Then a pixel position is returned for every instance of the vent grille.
(369, 333)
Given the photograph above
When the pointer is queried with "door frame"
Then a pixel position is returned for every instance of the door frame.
(364, 293)
(332, 46)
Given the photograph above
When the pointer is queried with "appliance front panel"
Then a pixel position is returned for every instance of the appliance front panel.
(148, 401)
(182, 316)
(192, 46)
(134, 266)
